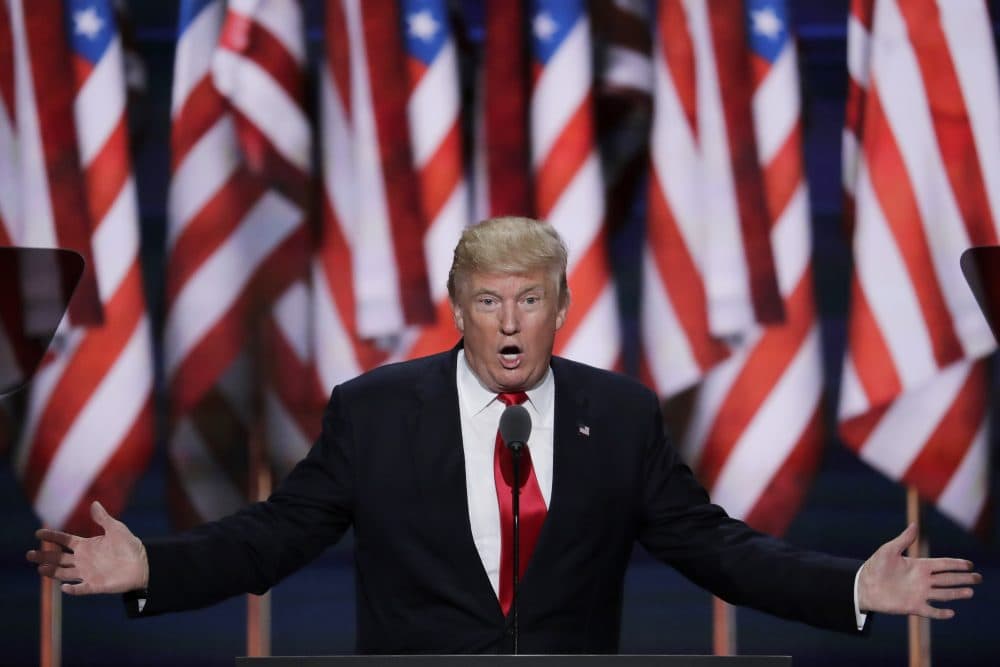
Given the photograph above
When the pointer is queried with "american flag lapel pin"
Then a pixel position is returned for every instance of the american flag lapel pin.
(584, 429)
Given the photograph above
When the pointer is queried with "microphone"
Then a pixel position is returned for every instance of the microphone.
(515, 427)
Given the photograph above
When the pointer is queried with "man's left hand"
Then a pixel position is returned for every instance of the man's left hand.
(893, 583)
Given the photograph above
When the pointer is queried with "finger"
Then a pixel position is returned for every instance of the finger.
(949, 594)
(68, 574)
(947, 579)
(101, 516)
(906, 538)
(50, 557)
(82, 588)
(57, 537)
(936, 613)
(950, 565)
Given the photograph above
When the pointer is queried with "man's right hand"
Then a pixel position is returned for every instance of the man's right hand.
(111, 563)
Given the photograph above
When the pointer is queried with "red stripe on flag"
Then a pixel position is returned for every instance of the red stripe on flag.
(295, 382)
(779, 501)
(200, 112)
(338, 56)
(505, 106)
(869, 351)
(52, 74)
(736, 88)
(565, 158)
(210, 228)
(783, 175)
(205, 362)
(387, 71)
(336, 261)
(118, 476)
(265, 162)
(678, 53)
(951, 440)
(107, 173)
(855, 431)
(441, 173)
(898, 202)
(439, 337)
(589, 278)
(681, 278)
(252, 40)
(950, 115)
(763, 368)
(6, 61)
(91, 361)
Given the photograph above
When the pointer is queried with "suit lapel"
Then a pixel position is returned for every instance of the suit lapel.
(439, 464)
(572, 452)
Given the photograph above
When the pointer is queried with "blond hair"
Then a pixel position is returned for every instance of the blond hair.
(510, 244)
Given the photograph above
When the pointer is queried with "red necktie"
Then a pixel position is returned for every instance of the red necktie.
(532, 508)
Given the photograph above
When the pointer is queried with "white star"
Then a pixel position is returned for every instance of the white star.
(544, 26)
(422, 25)
(767, 23)
(87, 23)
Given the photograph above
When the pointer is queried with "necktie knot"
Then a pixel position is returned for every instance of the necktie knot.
(512, 398)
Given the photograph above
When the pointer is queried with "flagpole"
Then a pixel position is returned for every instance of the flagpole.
(258, 606)
(50, 635)
(919, 627)
(723, 627)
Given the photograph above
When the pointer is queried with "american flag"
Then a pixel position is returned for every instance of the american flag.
(502, 162)
(434, 112)
(569, 190)
(708, 273)
(922, 172)
(237, 244)
(88, 429)
(755, 434)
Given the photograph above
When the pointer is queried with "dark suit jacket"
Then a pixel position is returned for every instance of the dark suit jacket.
(390, 463)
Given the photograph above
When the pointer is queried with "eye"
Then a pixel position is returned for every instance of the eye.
(531, 300)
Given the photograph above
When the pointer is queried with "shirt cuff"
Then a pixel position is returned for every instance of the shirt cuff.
(859, 618)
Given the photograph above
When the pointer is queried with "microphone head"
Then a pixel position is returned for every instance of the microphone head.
(515, 426)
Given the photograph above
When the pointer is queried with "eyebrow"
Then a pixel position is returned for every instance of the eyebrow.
(530, 288)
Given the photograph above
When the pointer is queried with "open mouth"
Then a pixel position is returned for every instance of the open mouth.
(510, 356)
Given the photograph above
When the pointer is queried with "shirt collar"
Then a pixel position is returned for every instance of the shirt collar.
(478, 398)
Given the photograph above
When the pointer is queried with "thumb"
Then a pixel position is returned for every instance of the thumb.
(101, 516)
(906, 538)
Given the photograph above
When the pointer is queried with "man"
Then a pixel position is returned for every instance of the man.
(410, 457)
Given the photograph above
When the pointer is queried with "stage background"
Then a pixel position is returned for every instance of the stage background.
(849, 510)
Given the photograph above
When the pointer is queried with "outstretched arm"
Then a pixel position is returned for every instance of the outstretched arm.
(893, 583)
(114, 562)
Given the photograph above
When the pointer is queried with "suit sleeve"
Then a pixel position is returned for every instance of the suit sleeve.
(683, 528)
(252, 550)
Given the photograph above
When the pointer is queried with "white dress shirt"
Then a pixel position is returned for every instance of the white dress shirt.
(480, 412)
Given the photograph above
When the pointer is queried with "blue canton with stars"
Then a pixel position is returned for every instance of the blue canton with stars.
(90, 26)
(189, 11)
(767, 27)
(551, 21)
(425, 24)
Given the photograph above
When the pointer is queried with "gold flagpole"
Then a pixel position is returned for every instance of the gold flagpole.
(259, 606)
(723, 627)
(919, 627)
(50, 635)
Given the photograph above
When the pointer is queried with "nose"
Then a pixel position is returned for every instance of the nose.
(509, 322)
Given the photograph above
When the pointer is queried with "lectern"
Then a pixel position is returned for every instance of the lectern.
(521, 661)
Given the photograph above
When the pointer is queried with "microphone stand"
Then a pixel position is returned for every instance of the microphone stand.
(516, 510)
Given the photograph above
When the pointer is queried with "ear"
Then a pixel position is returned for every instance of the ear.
(456, 314)
(561, 313)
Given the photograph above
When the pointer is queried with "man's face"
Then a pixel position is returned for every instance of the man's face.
(509, 322)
